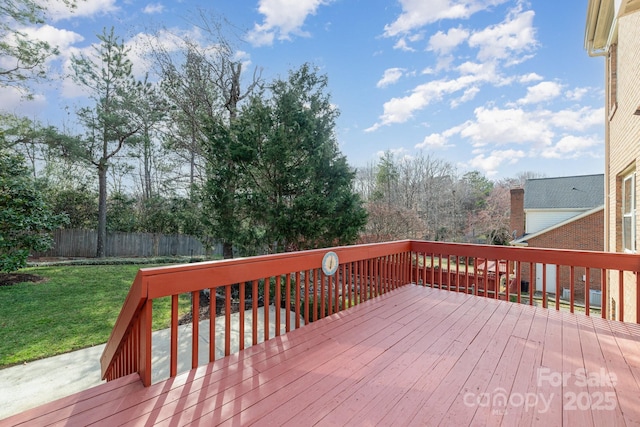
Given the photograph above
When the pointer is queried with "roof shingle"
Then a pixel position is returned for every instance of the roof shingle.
(570, 192)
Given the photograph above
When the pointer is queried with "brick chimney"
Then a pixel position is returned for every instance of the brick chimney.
(517, 212)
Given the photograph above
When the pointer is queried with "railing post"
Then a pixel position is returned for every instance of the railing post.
(144, 353)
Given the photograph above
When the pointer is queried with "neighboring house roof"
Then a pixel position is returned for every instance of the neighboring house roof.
(571, 192)
(523, 241)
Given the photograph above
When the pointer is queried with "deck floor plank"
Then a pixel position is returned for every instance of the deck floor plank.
(573, 364)
(443, 354)
(490, 376)
(358, 399)
(479, 359)
(409, 357)
(334, 382)
(526, 380)
(548, 408)
(279, 350)
(595, 363)
(616, 342)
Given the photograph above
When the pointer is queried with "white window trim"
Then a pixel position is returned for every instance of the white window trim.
(629, 180)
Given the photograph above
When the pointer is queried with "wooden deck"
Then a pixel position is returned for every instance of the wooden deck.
(412, 356)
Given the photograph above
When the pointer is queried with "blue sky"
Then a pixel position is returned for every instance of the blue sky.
(499, 86)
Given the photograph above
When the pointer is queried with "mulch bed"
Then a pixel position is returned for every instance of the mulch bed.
(9, 279)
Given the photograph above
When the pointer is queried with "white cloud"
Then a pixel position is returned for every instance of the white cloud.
(13, 102)
(544, 91)
(399, 110)
(170, 40)
(507, 126)
(490, 163)
(403, 45)
(418, 13)
(60, 38)
(571, 146)
(577, 120)
(394, 151)
(85, 8)
(282, 18)
(152, 8)
(540, 133)
(435, 141)
(467, 96)
(514, 36)
(496, 126)
(391, 76)
(54, 36)
(577, 94)
(444, 43)
(531, 77)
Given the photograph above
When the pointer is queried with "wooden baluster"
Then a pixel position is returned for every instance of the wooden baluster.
(173, 369)
(277, 302)
(267, 287)
(213, 292)
(241, 316)
(227, 321)
(254, 311)
(298, 299)
(307, 273)
(603, 289)
(195, 327)
(287, 302)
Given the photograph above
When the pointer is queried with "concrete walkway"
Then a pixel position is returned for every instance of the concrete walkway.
(26, 386)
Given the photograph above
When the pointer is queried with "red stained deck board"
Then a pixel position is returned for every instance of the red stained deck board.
(336, 375)
(367, 380)
(594, 360)
(438, 362)
(478, 358)
(408, 357)
(526, 375)
(618, 345)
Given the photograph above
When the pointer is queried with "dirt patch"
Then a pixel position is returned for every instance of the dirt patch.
(9, 279)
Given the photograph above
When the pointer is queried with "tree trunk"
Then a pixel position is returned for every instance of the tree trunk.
(102, 209)
(147, 166)
(227, 250)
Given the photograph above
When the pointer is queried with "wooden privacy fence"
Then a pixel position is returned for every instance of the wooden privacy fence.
(82, 244)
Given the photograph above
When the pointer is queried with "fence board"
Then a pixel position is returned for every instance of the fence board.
(79, 243)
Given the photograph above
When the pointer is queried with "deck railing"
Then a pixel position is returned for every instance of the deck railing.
(551, 278)
(294, 282)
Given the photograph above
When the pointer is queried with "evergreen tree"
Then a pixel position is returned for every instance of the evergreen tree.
(113, 121)
(294, 189)
(25, 219)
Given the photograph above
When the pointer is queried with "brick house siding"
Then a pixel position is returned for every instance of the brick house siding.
(582, 234)
(622, 144)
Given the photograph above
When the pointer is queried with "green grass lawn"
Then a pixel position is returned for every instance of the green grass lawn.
(75, 308)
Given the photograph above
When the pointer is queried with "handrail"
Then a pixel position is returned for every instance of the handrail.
(150, 283)
(366, 271)
(595, 259)
(597, 268)
(134, 301)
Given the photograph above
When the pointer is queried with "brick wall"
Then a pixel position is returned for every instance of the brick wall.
(623, 140)
(517, 212)
(585, 234)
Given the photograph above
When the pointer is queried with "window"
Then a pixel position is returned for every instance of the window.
(629, 213)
